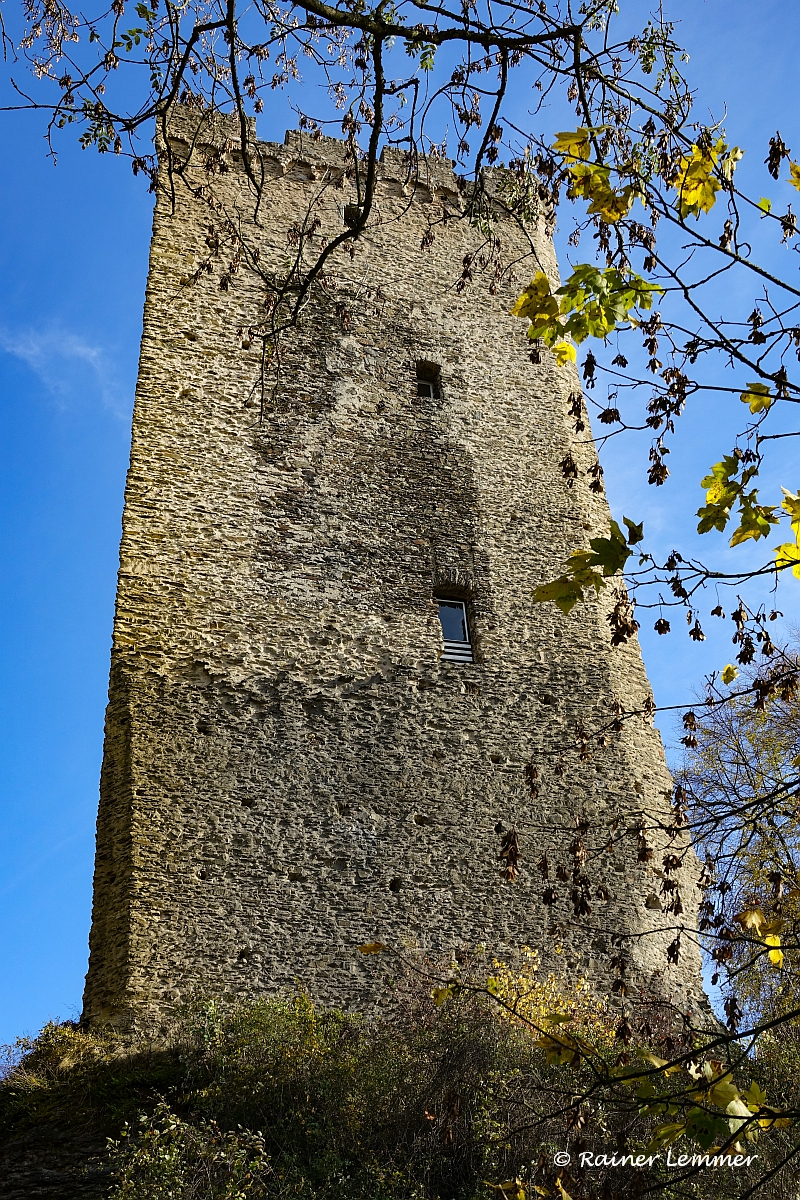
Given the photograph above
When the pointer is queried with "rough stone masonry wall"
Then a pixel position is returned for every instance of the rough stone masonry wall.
(291, 770)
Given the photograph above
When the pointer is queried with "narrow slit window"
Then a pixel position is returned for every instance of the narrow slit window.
(429, 380)
(455, 631)
(351, 215)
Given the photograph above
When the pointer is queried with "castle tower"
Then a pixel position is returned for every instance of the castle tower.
(331, 690)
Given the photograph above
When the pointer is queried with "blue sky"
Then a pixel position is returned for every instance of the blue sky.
(73, 260)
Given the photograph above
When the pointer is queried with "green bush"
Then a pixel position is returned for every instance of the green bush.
(426, 1101)
(168, 1158)
(279, 1098)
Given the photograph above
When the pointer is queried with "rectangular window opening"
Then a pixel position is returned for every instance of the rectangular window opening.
(455, 630)
(351, 215)
(429, 380)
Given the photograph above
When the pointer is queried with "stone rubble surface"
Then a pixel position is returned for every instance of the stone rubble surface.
(291, 770)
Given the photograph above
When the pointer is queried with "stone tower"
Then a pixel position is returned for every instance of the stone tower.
(331, 690)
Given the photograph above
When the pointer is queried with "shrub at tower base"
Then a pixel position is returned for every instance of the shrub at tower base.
(509, 1087)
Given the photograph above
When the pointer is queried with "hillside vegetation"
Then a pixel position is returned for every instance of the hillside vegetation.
(440, 1097)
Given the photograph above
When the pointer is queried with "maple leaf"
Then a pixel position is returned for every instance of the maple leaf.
(575, 145)
(758, 397)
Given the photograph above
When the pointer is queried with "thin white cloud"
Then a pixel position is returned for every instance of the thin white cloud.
(62, 360)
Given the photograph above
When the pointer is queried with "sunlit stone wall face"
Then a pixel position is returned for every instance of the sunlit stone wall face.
(291, 767)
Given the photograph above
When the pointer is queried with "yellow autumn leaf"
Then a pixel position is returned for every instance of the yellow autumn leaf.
(592, 182)
(537, 299)
(775, 955)
(661, 1062)
(696, 183)
(440, 994)
(575, 146)
(751, 919)
(612, 206)
(512, 1189)
(372, 948)
(791, 504)
(758, 397)
(788, 555)
(729, 674)
(794, 175)
(765, 204)
(776, 1122)
(716, 492)
(564, 353)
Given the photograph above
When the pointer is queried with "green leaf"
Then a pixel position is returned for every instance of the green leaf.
(721, 472)
(591, 303)
(755, 1095)
(427, 57)
(705, 1127)
(755, 520)
(564, 592)
(129, 37)
(610, 553)
(765, 205)
(713, 516)
(721, 494)
(665, 1135)
(635, 532)
(723, 1092)
(426, 50)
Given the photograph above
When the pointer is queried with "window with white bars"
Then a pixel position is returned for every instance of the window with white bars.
(455, 630)
(429, 380)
